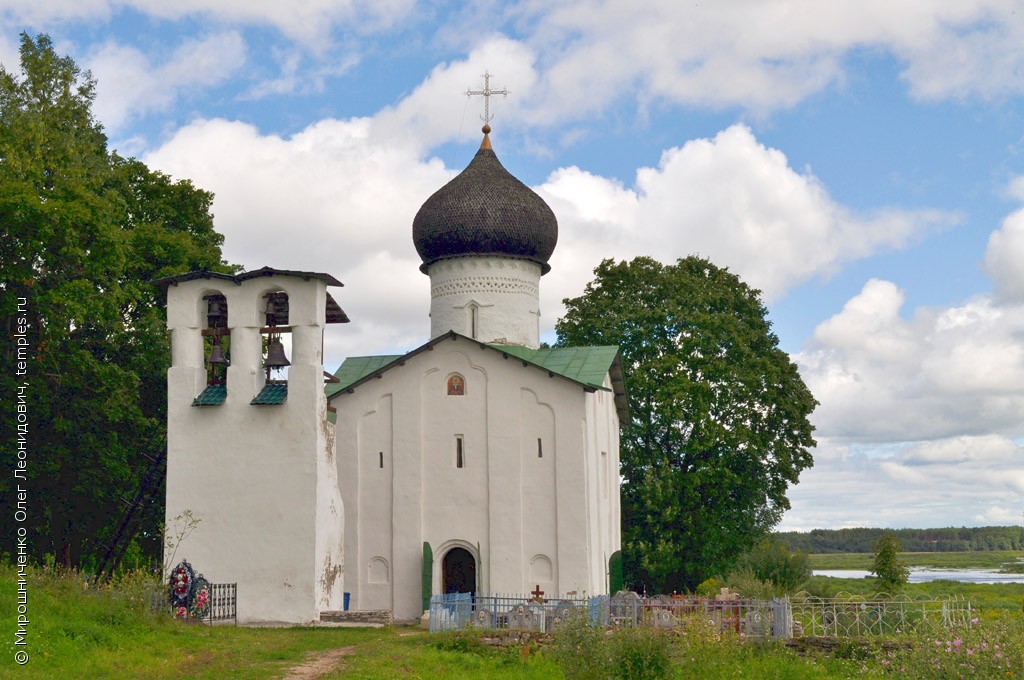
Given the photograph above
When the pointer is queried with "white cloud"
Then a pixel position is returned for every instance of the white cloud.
(942, 373)
(946, 482)
(333, 198)
(129, 85)
(295, 78)
(730, 199)
(304, 21)
(10, 58)
(756, 55)
(351, 188)
(424, 117)
(1004, 258)
(763, 56)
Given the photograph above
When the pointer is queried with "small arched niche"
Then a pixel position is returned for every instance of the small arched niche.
(540, 569)
(378, 571)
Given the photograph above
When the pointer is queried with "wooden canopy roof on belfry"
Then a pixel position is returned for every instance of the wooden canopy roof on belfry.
(335, 314)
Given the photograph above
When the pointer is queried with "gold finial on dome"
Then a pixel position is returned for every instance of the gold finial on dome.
(486, 143)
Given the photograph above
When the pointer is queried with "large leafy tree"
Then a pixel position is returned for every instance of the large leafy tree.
(85, 230)
(718, 426)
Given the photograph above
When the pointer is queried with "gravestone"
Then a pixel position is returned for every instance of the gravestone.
(482, 619)
(559, 615)
(526, 617)
(663, 618)
(624, 607)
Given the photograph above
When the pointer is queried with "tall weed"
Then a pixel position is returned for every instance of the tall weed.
(587, 652)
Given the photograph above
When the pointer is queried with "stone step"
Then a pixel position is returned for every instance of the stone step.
(380, 617)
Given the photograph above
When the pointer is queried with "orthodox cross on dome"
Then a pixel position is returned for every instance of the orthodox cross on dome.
(486, 94)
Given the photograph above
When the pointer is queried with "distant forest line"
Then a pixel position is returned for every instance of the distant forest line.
(862, 540)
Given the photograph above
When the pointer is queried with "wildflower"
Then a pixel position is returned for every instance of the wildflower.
(957, 642)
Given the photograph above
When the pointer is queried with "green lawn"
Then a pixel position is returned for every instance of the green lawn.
(83, 634)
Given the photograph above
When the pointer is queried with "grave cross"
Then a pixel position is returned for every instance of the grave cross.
(486, 92)
(537, 594)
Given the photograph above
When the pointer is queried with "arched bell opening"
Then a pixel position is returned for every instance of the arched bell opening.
(276, 336)
(458, 572)
(216, 339)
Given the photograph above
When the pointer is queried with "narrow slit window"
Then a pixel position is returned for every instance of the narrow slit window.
(380, 459)
(540, 448)
(472, 321)
(460, 456)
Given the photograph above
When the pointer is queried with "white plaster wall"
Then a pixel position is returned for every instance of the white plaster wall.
(376, 503)
(506, 506)
(261, 479)
(538, 491)
(505, 293)
(604, 516)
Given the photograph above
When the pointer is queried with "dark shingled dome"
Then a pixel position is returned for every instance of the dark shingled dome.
(485, 211)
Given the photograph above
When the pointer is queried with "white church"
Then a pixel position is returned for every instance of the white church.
(478, 462)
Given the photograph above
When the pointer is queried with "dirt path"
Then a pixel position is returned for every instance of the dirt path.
(319, 664)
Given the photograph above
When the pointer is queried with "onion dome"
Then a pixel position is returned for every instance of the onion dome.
(485, 211)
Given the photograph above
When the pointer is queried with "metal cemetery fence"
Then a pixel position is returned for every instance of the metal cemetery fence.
(858, 616)
(801, 615)
(523, 612)
(223, 604)
(494, 612)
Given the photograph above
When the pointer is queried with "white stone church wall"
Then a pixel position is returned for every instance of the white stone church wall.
(605, 519)
(524, 517)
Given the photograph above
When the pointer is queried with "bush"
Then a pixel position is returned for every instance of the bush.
(710, 587)
(580, 649)
(587, 652)
(639, 654)
(748, 585)
(772, 562)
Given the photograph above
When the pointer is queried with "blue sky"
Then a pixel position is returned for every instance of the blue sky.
(861, 162)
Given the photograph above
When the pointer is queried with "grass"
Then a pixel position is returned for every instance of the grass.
(1008, 561)
(109, 633)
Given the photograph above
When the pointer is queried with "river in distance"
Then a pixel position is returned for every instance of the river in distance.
(920, 575)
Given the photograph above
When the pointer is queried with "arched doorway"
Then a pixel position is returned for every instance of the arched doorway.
(458, 572)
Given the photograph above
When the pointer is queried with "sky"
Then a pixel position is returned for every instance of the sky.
(861, 162)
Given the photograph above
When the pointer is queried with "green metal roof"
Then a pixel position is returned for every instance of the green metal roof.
(271, 395)
(355, 369)
(585, 365)
(213, 395)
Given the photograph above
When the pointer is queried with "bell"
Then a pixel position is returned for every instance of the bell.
(275, 355)
(216, 312)
(271, 311)
(217, 356)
